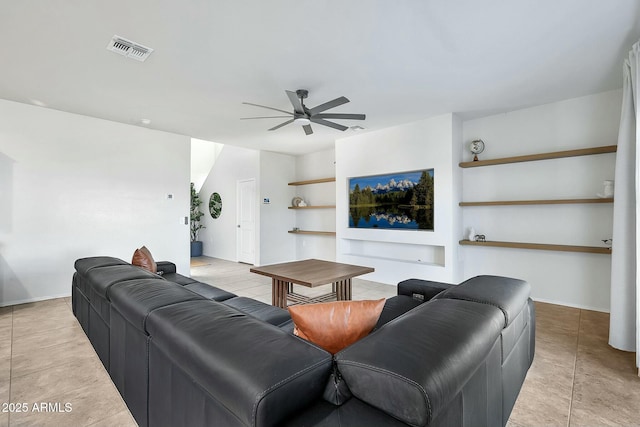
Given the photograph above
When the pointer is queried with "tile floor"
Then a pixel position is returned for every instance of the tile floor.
(576, 378)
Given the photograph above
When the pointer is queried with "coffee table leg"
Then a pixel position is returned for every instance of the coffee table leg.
(343, 290)
(279, 290)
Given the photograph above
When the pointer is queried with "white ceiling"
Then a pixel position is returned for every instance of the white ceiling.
(397, 61)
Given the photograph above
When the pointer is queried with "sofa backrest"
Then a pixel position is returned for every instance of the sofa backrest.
(83, 265)
(507, 294)
(135, 299)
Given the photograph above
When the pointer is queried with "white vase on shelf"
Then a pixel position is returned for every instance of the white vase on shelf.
(471, 234)
(607, 190)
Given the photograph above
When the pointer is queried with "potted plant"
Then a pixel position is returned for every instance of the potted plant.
(194, 223)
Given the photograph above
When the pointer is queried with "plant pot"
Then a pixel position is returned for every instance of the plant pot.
(196, 249)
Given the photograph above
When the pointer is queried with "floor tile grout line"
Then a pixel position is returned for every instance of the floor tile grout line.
(575, 363)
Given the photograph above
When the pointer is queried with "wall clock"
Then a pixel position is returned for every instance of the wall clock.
(215, 205)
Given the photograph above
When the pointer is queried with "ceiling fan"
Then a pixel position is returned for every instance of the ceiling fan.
(305, 116)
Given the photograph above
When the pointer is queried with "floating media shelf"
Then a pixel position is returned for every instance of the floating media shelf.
(317, 233)
(541, 156)
(536, 202)
(541, 246)
(307, 182)
(531, 158)
(313, 207)
(313, 181)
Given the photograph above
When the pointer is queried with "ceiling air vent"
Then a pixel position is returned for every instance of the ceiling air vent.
(129, 49)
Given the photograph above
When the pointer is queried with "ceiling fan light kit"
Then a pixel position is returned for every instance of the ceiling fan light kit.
(302, 121)
(304, 116)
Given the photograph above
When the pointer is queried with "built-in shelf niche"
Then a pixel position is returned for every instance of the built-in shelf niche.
(411, 253)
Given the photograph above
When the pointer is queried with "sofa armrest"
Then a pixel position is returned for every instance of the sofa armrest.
(165, 267)
(413, 367)
(421, 289)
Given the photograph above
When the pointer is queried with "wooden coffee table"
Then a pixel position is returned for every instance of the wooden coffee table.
(310, 273)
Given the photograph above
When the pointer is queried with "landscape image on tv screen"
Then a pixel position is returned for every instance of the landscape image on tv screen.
(392, 201)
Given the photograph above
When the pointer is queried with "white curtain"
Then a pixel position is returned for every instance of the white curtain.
(624, 328)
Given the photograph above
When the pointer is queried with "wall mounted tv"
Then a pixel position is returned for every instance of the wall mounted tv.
(400, 201)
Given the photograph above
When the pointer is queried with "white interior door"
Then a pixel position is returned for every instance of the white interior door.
(247, 221)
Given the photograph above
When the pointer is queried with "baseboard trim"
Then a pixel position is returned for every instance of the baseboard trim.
(28, 300)
(582, 307)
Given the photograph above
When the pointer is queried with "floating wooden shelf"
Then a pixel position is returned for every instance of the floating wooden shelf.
(542, 156)
(537, 202)
(317, 233)
(313, 207)
(541, 246)
(313, 181)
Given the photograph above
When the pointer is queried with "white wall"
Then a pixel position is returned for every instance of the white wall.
(276, 244)
(313, 166)
(272, 172)
(401, 254)
(73, 186)
(203, 157)
(219, 236)
(573, 279)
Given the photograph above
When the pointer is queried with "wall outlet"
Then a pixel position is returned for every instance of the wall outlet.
(266, 201)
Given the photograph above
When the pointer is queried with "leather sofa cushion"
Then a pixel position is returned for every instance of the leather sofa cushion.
(353, 412)
(83, 265)
(142, 258)
(100, 279)
(178, 278)
(509, 295)
(412, 367)
(209, 292)
(260, 373)
(421, 289)
(335, 325)
(135, 299)
(265, 312)
(395, 307)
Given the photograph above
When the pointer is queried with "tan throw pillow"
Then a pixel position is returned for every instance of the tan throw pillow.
(335, 325)
(142, 258)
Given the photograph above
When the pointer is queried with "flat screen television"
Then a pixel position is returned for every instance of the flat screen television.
(401, 201)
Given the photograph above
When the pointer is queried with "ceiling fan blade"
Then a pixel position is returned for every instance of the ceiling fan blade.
(307, 129)
(314, 119)
(270, 108)
(295, 101)
(265, 117)
(340, 116)
(282, 124)
(331, 104)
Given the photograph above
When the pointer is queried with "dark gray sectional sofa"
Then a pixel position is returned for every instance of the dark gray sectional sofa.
(184, 353)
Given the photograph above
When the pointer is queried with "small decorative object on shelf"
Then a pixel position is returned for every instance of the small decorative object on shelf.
(607, 191)
(607, 242)
(476, 147)
(295, 202)
(471, 234)
(302, 204)
(480, 238)
(295, 229)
